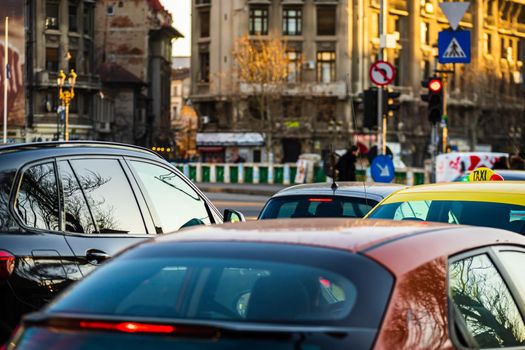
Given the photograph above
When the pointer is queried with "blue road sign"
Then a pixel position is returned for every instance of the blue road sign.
(382, 169)
(454, 46)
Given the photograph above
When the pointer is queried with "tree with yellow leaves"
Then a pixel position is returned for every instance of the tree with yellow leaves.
(262, 67)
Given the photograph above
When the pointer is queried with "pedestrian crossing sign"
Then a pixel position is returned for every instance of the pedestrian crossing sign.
(454, 46)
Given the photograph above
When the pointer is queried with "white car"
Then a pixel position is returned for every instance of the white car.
(349, 199)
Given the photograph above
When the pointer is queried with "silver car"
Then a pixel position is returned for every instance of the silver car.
(349, 199)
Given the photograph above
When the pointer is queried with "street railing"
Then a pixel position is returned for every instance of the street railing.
(283, 174)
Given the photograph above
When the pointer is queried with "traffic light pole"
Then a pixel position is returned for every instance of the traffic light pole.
(445, 115)
(381, 120)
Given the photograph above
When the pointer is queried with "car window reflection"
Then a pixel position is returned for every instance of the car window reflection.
(485, 303)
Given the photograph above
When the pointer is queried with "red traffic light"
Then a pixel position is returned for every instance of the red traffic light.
(435, 85)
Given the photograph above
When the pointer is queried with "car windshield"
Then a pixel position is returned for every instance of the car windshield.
(316, 206)
(499, 215)
(241, 282)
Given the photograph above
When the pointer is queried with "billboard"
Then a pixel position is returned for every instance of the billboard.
(14, 9)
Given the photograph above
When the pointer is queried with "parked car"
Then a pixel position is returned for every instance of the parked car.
(66, 207)
(499, 204)
(349, 199)
(297, 284)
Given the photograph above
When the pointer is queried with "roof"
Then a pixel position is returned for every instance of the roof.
(511, 192)
(68, 144)
(358, 189)
(230, 139)
(111, 72)
(180, 73)
(399, 245)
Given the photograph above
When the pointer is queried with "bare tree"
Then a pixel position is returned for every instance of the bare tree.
(262, 67)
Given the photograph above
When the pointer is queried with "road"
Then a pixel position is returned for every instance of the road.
(249, 205)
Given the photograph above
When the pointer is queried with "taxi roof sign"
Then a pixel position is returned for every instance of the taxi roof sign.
(484, 174)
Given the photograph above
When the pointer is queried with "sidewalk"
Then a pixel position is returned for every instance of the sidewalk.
(250, 189)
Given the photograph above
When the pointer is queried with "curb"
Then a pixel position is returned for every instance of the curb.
(231, 190)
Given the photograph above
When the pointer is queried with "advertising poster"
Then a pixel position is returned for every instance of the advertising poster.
(14, 9)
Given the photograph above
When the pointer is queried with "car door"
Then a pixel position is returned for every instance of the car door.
(45, 262)
(102, 211)
(486, 310)
(173, 202)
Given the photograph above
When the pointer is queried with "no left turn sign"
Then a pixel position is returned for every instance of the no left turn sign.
(382, 73)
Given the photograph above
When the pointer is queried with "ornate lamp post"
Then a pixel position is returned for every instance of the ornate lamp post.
(66, 95)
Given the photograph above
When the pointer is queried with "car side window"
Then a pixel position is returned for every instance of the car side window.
(109, 196)
(175, 202)
(37, 200)
(77, 217)
(416, 210)
(485, 304)
(514, 263)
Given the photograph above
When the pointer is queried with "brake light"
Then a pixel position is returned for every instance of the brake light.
(324, 200)
(128, 327)
(7, 264)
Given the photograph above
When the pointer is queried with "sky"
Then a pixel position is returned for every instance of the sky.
(181, 11)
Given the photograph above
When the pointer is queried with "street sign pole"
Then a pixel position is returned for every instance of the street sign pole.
(445, 114)
(381, 125)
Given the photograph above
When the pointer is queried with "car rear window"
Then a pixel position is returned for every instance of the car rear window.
(316, 206)
(498, 215)
(241, 282)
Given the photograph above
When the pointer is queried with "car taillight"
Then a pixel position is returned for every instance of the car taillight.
(7, 264)
(128, 327)
(326, 200)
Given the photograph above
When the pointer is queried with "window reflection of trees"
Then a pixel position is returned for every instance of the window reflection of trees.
(37, 202)
(91, 182)
(485, 303)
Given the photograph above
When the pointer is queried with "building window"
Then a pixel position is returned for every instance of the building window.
(425, 69)
(397, 65)
(259, 20)
(88, 19)
(87, 59)
(292, 21)
(204, 23)
(487, 43)
(292, 108)
(52, 59)
(73, 17)
(204, 67)
(326, 109)
(503, 46)
(326, 20)
(294, 65)
(52, 14)
(425, 34)
(326, 66)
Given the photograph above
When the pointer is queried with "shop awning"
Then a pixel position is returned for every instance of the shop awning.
(230, 139)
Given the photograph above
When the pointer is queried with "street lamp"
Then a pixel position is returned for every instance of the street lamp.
(66, 95)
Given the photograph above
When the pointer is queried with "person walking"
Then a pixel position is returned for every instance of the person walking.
(346, 165)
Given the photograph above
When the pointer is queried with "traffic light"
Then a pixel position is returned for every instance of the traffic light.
(370, 106)
(391, 102)
(434, 98)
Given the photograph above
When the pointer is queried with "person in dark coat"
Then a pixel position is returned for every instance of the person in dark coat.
(346, 165)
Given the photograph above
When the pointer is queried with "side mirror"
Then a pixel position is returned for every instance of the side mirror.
(231, 215)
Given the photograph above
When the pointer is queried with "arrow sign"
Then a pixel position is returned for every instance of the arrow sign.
(454, 11)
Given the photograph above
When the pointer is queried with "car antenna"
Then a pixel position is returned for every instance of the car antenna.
(332, 166)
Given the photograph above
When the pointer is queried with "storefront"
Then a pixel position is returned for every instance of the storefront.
(230, 147)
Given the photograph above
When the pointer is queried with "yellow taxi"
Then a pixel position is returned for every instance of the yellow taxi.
(484, 200)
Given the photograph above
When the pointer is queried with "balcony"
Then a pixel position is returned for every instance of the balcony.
(334, 89)
(49, 79)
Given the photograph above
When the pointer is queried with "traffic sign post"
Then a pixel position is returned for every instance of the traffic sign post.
(382, 169)
(382, 73)
(454, 46)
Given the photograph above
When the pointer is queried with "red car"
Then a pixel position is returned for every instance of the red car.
(298, 284)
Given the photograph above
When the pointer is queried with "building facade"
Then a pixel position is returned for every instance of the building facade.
(332, 44)
(133, 53)
(60, 36)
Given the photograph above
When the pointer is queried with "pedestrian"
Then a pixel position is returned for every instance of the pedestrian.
(517, 163)
(346, 164)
